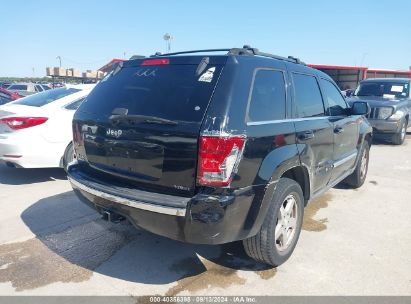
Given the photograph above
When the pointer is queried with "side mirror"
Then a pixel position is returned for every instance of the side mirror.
(360, 108)
(349, 93)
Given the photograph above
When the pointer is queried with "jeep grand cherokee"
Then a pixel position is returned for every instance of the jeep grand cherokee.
(216, 148)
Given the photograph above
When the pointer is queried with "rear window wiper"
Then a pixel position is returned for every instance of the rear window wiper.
(133, 119)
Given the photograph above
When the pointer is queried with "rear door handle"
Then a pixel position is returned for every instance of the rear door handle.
(338, 130)
(306, 135)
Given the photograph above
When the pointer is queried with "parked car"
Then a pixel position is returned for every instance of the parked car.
(26, 89)
(35, 131)
(43, 86)
(213, 149)
(7, 96)
(4, 85)
(390, 102)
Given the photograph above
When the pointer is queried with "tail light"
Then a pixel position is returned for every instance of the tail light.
(218, 159)
(18, 123)
(77, 137)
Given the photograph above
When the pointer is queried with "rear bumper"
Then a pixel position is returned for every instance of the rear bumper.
(201, 219)
(30, 152)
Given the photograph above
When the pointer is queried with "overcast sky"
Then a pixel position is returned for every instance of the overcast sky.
(87, 34)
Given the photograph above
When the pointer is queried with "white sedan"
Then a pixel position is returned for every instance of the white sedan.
(36, 131)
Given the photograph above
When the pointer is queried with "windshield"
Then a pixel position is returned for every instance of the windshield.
(383, 89)
(46, 97)
(170, 92)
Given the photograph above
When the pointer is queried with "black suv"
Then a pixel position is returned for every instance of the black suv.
(213, 149)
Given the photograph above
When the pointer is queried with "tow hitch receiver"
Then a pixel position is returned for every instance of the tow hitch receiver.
(111, 216)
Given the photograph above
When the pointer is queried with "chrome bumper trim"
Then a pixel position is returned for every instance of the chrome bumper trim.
(128, 202)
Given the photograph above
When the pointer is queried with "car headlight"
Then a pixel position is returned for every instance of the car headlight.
(384, 112)
(397, 115)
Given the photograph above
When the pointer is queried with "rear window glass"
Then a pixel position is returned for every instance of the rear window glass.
(21, 87)
(268, 96)
(46, 97)
(308, 100)
(173, 92)
(74, 105)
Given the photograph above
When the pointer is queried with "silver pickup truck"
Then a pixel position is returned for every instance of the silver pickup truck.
(390, 102)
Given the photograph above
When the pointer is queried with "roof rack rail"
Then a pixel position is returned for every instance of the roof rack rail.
(190, 52)
(245, 50)
(258, 53)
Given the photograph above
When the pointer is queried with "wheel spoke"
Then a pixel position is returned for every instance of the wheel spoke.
(285, 237)
(278, 230)
(292, 222)
(282, 212)
(290, 204)
(364, 164)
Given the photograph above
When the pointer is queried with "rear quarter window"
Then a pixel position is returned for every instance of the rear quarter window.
(46, 97)
(267, 96)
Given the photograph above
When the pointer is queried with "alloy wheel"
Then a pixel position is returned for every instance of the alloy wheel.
(364, 164)
(286, 223)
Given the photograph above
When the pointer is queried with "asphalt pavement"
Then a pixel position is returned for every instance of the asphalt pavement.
(354, 242)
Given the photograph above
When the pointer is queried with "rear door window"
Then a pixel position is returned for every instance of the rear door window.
(307, 96)
(173, 91)
(268, 96)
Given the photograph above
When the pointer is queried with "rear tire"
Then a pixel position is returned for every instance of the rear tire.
(68, 156)
(278, 236)
(357, 178)
(399, 138)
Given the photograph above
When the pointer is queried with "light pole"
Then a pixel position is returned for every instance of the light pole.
(363, 58)
(59, 58)
(167, 37)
